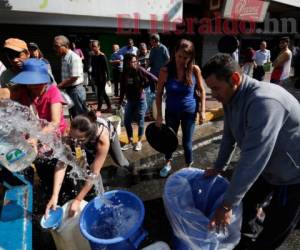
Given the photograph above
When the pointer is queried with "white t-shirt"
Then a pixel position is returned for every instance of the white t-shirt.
(262, 56)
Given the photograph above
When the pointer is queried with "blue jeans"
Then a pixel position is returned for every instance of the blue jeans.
(78, 96)
(132, 108)
(187, 121)
(150, 98)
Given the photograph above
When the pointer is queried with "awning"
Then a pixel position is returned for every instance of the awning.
(295, 3)
(97, 13)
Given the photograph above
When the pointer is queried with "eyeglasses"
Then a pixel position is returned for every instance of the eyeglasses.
(74, 141)
(134, 61)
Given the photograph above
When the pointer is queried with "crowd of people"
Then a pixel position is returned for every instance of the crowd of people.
(28, 80)
(262, 119)
(257, 63)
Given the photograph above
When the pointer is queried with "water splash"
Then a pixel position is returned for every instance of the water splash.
(114, 221)
(20, 122)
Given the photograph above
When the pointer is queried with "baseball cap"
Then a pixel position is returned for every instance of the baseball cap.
(15, 44)
(32, 45)
(34, 71)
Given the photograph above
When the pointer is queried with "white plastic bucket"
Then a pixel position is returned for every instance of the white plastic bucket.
(159, 245)
(68, 236)
(116, 121)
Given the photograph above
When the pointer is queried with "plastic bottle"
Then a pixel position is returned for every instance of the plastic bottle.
(121, 112)
(15, 153)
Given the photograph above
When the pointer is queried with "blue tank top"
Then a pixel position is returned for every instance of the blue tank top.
(181, 97)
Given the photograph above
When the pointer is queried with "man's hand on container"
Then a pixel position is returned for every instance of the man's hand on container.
(221, 219)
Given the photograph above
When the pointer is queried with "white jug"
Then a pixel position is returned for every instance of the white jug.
(116, 121)
(68, 236)
(159, 245)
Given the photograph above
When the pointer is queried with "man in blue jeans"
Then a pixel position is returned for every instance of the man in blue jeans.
(263, 120)
(72, 75)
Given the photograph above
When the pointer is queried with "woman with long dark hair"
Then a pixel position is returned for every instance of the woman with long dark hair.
(182, 80)
(98, 138)
(134, 79)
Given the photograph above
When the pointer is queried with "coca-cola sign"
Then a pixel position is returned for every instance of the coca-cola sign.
(250, 10)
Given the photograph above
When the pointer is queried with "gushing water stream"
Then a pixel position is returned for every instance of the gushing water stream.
(18, 123)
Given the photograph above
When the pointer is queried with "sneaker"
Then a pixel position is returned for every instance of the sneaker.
(127, 146)
(138, 146)
(164, 172)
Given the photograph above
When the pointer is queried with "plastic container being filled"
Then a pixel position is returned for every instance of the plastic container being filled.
(114, 221)
(67, 236)
(190, 201)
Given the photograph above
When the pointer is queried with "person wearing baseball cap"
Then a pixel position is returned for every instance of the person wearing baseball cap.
(15, 52)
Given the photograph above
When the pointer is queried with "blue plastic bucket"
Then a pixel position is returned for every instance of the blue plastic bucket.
(114, 221)
(191, 200)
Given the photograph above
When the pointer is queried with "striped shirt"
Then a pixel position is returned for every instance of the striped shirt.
(72, 67)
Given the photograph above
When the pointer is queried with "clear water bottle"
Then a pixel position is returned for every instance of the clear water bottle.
(15, 153)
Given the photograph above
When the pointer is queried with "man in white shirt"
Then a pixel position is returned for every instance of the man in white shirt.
(71, 75)
(261, 57)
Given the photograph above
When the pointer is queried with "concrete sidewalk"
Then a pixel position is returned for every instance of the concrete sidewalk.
(148, 157)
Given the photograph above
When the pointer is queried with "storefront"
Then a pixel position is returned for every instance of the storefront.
(109, 21)
(251, 21)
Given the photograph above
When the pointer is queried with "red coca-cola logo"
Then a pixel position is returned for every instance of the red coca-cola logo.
(247, 9)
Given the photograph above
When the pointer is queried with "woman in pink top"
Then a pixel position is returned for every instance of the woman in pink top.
(78, 51)
(46, 98)
(48, 102)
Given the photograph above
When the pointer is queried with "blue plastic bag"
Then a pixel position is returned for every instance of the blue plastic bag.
(190, 202)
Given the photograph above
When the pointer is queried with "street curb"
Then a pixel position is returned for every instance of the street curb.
(211, 115)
